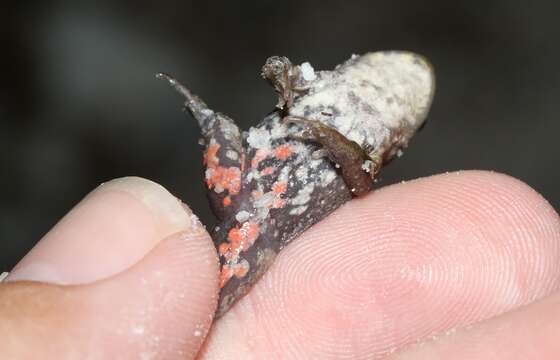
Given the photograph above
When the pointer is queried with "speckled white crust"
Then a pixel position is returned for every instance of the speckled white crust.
(377, 100)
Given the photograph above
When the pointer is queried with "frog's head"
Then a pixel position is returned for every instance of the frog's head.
(276, 68)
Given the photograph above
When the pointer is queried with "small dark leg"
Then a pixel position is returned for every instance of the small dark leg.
(342, 151)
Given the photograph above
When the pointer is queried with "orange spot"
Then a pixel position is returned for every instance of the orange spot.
(232, 180)
(280, 187)
(252, 231)
(210, 158)
(241, 270)
(267, 170)
(235, 236)
(241, 238)
(260, 155)
(222, 178)
(283, 152)
(223, 248)
(225, 275)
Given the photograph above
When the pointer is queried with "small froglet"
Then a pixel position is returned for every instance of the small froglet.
(327, 138)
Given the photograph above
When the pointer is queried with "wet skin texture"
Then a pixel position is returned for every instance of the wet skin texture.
(323, 144)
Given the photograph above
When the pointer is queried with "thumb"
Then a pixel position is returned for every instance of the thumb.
(160, 307)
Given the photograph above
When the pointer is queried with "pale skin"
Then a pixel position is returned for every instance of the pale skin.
(462, 265)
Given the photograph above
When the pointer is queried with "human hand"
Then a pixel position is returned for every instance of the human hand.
(444, 263)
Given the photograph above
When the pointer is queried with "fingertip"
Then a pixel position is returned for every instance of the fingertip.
(138, 296)
(530, 332)
(163, 305)
(109, 230)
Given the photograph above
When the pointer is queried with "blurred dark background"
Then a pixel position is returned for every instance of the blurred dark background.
(79, 104)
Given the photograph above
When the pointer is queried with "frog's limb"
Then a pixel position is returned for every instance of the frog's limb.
(375, 163)
(320, 153)
(348, 155)
(224, 157)
(285, 78)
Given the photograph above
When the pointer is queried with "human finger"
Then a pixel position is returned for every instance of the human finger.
(406, 262)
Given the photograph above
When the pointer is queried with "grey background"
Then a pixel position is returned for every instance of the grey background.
(79, 104)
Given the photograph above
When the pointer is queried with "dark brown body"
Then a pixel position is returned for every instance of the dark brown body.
(322, 145)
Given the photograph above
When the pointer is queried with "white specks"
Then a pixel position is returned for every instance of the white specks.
(259, 138)
(147, 356)
(377, 100)
(3, 276)
(373, 98)
(207, 112)
(253, 174)
(229, 129)
(326, 177)
(195, 222)
(263, 204)
(304, 195)
(266, 200)
(199, 330)
(284, 173)
(208, 174)
(138, 330)
(357, 136)
(242, 216)
(307, 72)
(232, 155)
(314, 164)
(302, 173)
(343, 123)
(278, 130)
(298, 210)
(299, 148)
